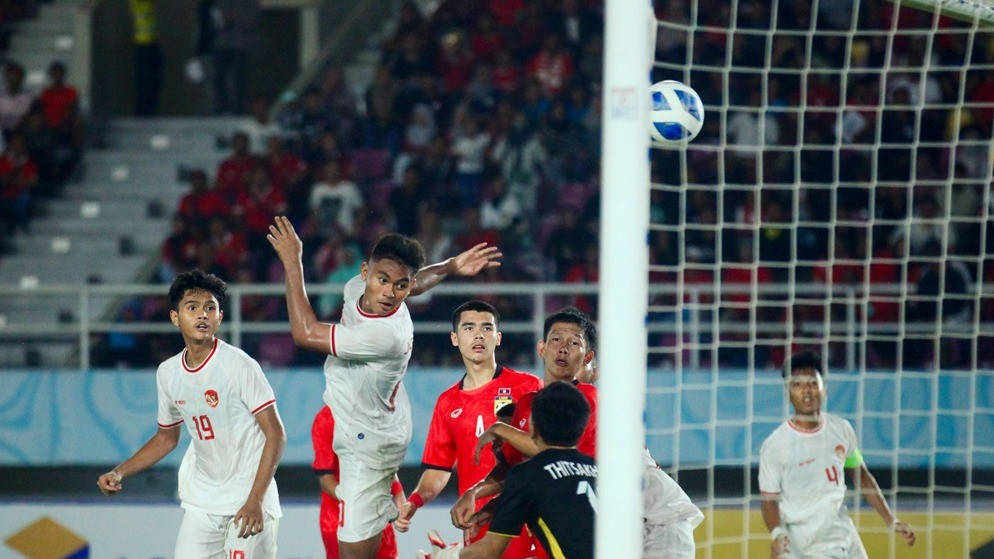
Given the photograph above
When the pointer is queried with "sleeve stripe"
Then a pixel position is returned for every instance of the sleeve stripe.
(503, 535)
(171, 425)
(769, 492)
(263, 406)
(333, 352)
(434, 467)
(324, 472)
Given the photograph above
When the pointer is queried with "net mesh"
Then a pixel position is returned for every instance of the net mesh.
(838, 198)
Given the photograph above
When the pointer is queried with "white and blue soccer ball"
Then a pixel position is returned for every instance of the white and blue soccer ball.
(676, 114)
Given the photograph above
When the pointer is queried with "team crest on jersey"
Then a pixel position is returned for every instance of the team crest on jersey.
(211, 397)
(502, 399)
(840, 452)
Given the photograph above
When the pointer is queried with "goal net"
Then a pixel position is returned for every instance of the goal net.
(838, 199)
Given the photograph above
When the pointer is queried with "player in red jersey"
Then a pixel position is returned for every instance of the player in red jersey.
(464, 411)
(566, 351)
(326, 468)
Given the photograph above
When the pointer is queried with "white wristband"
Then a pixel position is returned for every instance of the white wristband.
(777, 532)
(447, 553)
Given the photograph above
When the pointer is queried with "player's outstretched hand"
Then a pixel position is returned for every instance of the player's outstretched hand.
(488, 436)
(462, 511)
(110, 483)
(440, 549)
(475, 260)
(249, 519)
(403, 522)
(285, 241)
(906, 532)
(479, 518)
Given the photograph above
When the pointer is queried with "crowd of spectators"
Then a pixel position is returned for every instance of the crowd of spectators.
(818, 164)
(41, 139)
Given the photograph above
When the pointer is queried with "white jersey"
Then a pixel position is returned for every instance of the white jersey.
(665, 502)
(363, 374)
(218, 401)
(670, 516)
(806, 470)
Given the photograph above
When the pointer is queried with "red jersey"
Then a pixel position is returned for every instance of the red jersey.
(233, 174)
(326, 462)
(56, 102)
(523, 412)
(461, 416)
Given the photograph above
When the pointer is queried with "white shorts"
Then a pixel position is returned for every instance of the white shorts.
(212, 536)
(835, 539)
(366, 503)
(672, 541)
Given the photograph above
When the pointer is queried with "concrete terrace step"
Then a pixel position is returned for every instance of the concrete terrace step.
(157, 142)
(112, 227)
(103, 246)
(52, 270)
(42, 26)
(130, 209)
(144, 191)
(147, 158)
(210, 127)
(56, 43)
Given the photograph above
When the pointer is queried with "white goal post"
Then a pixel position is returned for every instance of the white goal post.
(838, 198)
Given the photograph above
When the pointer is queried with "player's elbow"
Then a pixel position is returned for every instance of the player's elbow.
(277, 437)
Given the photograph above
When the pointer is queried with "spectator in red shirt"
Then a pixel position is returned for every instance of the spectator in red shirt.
(18, 177)
(286, 170)
(59, 101)
(233, 173)
(552, 66)
(202, 202)
(179, 250)
(487, 40)
(585, 271)
(257, 206)
(230, 246)
(506, 73)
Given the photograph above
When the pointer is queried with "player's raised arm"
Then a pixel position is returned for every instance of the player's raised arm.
(307, 330)
(468, 263)
(517, 438)
(162, 443)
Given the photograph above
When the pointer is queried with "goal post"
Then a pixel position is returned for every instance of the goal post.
(623, 289)
(838, 198)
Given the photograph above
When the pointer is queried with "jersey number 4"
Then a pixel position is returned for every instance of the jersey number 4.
(584, 488)
(205, 431)
(833, 475)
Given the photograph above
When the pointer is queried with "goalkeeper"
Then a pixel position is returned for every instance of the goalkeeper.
(803, 493)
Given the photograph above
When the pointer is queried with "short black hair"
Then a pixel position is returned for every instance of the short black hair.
(401, 249)
(506, 412)
(474, 305)
(560, 413)
(804, 359)
(573, 315)
(198, 280)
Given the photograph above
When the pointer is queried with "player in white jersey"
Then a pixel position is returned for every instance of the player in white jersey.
(800, 474)
(670, 516)
(226, 481)
(368, 352)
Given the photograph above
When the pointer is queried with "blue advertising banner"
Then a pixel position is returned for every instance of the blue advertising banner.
(692, 419)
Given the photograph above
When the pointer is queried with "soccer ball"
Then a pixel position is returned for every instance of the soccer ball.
(676, 114)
